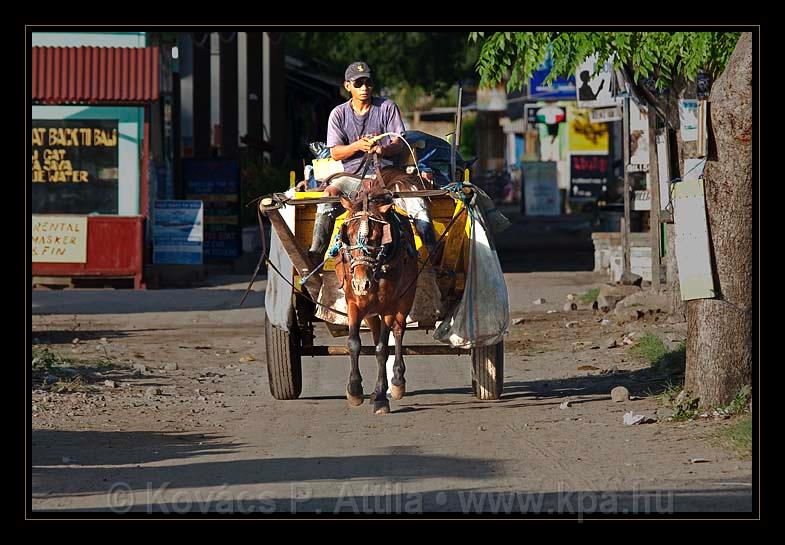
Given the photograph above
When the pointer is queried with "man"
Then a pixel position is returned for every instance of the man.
(350, 129)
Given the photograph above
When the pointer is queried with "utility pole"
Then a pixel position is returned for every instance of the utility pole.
(654, 189)
(625, 226)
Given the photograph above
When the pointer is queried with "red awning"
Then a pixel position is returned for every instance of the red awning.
(63, 75)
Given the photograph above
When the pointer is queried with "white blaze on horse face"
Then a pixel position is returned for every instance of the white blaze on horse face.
(362, 234)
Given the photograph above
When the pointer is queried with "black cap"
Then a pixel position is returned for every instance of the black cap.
(357, 70)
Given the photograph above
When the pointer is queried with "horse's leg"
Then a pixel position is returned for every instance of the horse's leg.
(354, 390)
(379, 398)
(398, 325)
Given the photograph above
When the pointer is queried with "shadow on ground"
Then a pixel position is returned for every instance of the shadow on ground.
(124, 457)
(136, 301)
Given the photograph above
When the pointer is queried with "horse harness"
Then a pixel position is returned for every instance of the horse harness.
(378, 258)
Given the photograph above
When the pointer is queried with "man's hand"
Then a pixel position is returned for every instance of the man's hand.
(364, 145)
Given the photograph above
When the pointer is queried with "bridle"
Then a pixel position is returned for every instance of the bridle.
(373, 256)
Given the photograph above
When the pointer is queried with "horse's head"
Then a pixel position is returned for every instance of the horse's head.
(363, 236)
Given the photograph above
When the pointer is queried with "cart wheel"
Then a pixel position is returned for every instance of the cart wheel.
(284, 367)
(488, 371)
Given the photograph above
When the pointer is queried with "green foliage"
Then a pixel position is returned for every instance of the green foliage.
(433, 60)
(651, 349)
(739, 436)
(590, 296)
(469, 135)
(740, 403)
(657, 55)
(258, 178)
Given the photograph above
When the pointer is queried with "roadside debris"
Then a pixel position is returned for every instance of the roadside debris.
(152, 391)
(632, 419)
(565, 405)
(698, 460)
(539, 301)
(610, 343)
(110, 384)
(620, 393)
(570, 307)
(171, 366)
(570, 324)
(518, 321)
(246, 359)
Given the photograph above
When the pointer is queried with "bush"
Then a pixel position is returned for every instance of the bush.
(258, 178)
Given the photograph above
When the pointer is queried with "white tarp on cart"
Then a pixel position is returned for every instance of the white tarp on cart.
(278, 295)
(482, 316)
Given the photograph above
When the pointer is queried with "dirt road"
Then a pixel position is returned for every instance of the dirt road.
(209, 436)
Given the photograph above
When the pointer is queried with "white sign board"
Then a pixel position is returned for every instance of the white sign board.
(663, 160)
(540, 189)
(597, 91)
(492, 100)
(692, 241)
(59, 239)
(688, 120)
(639, 136)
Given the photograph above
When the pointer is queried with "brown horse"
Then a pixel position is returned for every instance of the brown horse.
(377, 266)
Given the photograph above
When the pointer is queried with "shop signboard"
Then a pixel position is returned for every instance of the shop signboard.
(178, 232)
(74, 166)
(588, 176)
(59, 239)
(216, 182)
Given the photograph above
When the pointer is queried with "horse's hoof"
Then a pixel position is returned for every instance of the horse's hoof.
(381, 407)
(397, 392)
(354, 401)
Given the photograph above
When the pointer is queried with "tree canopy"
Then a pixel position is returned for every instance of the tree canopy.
(431, 60)
(658, 56)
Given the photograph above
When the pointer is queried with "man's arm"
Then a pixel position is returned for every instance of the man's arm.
(340, 152)
(394, 124)
(338, 142)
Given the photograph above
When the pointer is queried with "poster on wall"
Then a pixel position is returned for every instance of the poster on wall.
(59, 239)
(74, 166)
(178, 232)
(688, 120)
(588, 176)
(540, 191)
(595, 91)
(216, 182)
(639, 136)
(584, 136)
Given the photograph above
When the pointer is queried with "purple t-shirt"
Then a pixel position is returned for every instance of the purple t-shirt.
(345, 127)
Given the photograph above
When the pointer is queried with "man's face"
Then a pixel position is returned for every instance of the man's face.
(360, 88)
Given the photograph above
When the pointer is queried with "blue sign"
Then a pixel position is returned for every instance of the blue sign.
(178, 232)
(216, 182)
(558, 89)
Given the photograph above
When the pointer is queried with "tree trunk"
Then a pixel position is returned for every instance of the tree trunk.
(719, 331)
